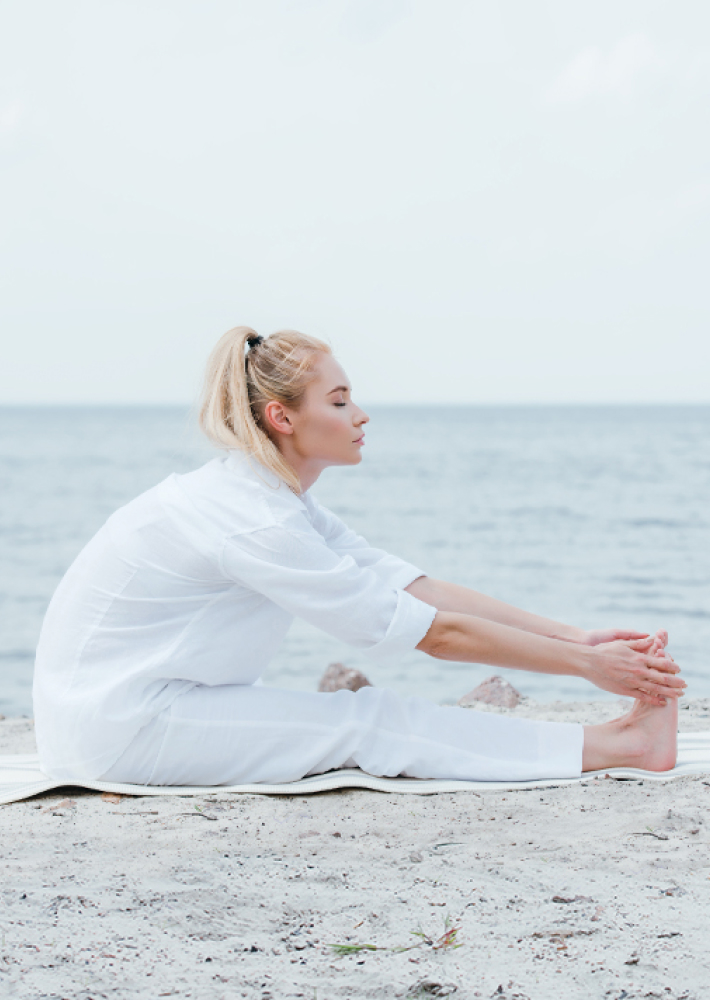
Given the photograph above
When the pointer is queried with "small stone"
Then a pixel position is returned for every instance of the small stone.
(338, 677)
(428, 988)
(416, 857)
(493, 691)
(64, 804)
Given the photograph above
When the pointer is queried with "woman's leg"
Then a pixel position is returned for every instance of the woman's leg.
(646, 737)
(242, 734)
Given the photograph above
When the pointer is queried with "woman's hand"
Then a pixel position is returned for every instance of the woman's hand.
(639, 668)
(636, 668)
(600, 635)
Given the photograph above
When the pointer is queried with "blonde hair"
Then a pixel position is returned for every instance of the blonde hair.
(244, 372)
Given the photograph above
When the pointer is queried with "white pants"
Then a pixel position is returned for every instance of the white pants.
(241, 734)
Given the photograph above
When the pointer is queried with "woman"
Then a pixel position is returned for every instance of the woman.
(149, 660)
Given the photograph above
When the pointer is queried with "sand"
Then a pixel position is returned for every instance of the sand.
(594, 890)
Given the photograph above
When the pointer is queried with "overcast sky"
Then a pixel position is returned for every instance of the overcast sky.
(499, 201)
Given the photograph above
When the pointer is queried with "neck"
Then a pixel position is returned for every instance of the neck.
(307, 469)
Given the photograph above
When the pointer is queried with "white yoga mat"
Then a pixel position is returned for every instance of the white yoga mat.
(20, 778)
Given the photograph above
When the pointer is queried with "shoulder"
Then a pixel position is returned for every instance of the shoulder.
(238, 496)
(323, 520)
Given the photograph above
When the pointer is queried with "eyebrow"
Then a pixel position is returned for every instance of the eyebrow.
(339, 388)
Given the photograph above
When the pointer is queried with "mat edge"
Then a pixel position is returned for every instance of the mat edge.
(342, 782)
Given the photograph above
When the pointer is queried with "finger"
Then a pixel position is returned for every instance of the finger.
(666, 680)
(629, 634)
(640, 644)
(662, 636)
(662, 663)
(663, 692)
(659, 693)
(657, 650)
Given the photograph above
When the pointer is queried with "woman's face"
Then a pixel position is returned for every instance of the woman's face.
(327, 429)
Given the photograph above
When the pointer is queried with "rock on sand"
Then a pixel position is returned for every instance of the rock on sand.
(338, 677)
(493, 691)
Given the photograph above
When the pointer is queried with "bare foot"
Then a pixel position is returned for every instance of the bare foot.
(646, 738)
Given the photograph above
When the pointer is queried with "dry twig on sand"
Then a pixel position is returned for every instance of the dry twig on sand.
(445, 942)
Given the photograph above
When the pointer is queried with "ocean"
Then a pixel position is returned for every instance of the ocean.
(596, 516)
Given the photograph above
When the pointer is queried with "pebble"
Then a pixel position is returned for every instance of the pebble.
(493, 691)
(338, 677)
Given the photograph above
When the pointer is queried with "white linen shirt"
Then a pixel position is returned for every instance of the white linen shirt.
(197, 581)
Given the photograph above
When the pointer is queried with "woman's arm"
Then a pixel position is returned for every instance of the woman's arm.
(449, 597)
(636, 669)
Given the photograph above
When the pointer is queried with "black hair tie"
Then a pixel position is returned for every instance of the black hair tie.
(254, 341)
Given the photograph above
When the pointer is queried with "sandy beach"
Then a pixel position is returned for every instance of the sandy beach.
(590, 890)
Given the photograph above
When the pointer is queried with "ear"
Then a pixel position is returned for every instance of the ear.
(277, 418)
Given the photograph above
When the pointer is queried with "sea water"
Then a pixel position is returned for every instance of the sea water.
(595, 516)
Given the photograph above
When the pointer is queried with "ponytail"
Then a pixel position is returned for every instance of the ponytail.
(244, 372)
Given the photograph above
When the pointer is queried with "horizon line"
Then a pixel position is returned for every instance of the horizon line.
(138, 405)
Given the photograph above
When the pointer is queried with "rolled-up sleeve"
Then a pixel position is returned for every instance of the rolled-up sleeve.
(299, 572)
(340, 538)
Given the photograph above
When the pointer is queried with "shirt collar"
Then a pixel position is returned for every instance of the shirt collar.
(248, 465)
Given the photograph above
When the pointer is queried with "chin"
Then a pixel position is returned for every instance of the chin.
(348, 459)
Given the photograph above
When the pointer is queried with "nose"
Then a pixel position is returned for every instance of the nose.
(360, 417)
